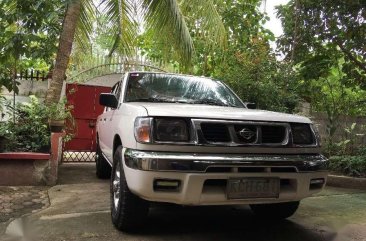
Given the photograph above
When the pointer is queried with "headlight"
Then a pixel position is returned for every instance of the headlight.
(143, 129)
(302, 134)
(169, 129)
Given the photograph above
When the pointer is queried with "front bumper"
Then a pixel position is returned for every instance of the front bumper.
(203, 177)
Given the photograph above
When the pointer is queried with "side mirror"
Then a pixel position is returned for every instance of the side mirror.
(251, 105)
(109, 100)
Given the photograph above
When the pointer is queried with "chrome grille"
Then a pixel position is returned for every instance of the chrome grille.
(241, 132)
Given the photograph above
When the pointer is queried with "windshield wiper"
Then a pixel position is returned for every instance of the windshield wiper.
(151, 99)
(210, 102)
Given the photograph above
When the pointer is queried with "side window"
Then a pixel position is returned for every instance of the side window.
(116, 89)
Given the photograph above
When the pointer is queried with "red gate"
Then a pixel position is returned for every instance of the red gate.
(84, 100)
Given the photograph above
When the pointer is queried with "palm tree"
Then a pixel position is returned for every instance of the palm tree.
(64, 50)
(166, 19)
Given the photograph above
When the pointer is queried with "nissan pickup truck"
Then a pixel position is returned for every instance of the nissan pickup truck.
(190, 140)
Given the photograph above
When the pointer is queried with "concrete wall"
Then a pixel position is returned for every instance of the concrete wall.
(321, 121)
(24, 172)
(27, 168)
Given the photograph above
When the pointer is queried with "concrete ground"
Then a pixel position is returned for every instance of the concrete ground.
(17, 201)
(79, 210)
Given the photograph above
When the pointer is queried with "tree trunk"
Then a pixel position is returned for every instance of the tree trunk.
(64, 51)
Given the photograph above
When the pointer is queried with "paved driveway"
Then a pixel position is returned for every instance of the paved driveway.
(79, 210)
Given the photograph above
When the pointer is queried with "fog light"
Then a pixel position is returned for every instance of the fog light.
(166, 185)
(317, 181)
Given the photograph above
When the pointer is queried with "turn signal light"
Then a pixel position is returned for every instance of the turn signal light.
(143, 129)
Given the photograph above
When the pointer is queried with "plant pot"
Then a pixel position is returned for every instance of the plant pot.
(56, 125)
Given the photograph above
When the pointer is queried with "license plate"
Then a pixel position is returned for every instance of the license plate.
(245, 188)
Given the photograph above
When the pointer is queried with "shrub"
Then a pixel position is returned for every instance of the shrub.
(349, 165)
(30, 130)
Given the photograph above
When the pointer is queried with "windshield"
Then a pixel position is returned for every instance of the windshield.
(170, 88)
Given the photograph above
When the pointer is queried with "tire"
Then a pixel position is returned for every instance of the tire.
(103, 169)
(275, 211)
(129, 212)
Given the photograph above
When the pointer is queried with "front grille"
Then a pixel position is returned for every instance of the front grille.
(213, 132)
(273, 134)
(244, 134)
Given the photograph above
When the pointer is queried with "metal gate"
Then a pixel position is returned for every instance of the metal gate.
(84, 100)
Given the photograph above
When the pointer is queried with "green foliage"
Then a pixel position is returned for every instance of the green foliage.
(260, 80)
(247, 64)
(59, 111)
(3, 129)
(350, 142)
(119, 23)
(349, 165)
(2, 105)
(28, 36)
(362, 151)
(320, 30)
(30, 131)
(324, 40)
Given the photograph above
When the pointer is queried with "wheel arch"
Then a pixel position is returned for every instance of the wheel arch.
(116, 142)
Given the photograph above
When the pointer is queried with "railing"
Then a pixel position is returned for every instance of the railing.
(31, 74)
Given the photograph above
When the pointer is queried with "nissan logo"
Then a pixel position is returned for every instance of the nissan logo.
(247, 133)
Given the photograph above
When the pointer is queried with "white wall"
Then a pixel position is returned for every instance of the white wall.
(106, 80)
(26, 88)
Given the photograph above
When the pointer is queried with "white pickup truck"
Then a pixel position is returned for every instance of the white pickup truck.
(191, 141)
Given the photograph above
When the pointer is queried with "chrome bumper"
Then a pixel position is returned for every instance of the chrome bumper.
(199, 162)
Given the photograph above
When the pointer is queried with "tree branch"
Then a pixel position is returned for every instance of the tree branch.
(350, 56)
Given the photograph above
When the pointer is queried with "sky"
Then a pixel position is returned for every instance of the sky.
(274, 24)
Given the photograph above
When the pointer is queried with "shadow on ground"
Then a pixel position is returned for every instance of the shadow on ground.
(226, 223)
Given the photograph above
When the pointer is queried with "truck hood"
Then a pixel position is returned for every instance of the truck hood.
(217, 112)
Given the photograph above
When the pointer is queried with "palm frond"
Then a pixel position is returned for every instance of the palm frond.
(84, 27)
(207, 18)
(121, 24)
(168, 24)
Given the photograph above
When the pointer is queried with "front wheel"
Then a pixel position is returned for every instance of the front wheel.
(128, 210)
(275, 210)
